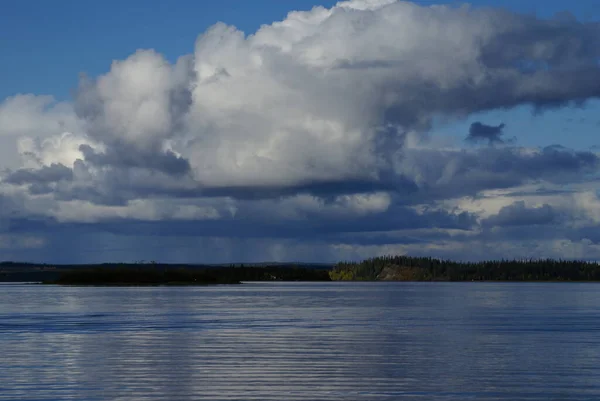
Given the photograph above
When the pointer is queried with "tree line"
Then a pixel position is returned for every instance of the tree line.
(431, 269)
(156, 274)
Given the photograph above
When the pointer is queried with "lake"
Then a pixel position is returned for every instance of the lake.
(301, 341)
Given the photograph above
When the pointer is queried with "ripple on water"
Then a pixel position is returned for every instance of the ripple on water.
(318, 341)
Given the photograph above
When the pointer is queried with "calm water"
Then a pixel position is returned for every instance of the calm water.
(284, 341)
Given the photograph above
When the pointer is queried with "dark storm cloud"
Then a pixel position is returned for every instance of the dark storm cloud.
(421, 176)
(255, 223)
(451, 174)
(518, 214)
(128, 157)
(323, 189)
(483, 132)
(47, 174)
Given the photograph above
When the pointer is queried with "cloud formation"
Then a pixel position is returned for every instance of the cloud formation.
(518, 214)
(316, 126)
(482, 132)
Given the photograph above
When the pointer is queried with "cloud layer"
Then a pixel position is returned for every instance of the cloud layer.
(313, 133)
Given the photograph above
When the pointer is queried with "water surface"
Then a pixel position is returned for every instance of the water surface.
(301, 341)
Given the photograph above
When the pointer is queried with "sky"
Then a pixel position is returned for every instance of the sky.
(217, 132)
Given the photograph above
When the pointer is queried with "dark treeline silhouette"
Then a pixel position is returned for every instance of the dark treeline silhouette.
(429, 269)
(152, 272)
(16, 264)
(401, 268)
(178, 275)
(140, 276)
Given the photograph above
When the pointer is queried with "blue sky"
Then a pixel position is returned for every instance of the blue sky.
(371, 127)
(47, 44)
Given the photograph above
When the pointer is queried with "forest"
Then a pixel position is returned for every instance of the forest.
(407, 268)
(154, 274)
(384, 268)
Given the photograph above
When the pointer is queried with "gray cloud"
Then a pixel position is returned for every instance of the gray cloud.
(449, 174)
(45, 175)
(518, 214)
(125, 156)
(415, 175)
(483, 132)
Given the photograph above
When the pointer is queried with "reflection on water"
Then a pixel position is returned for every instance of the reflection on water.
(283, 341)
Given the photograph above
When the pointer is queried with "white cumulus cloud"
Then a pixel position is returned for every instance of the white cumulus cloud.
(328, 112)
